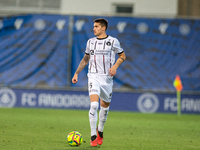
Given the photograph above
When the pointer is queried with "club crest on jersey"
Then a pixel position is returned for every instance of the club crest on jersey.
(108, 43)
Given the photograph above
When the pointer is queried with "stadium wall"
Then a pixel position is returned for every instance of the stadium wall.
(140, 7)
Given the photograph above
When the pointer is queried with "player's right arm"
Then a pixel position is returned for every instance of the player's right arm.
(81, 66)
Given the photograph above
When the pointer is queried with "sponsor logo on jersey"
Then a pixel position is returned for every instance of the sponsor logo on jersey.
(101, 52)
(7, 97)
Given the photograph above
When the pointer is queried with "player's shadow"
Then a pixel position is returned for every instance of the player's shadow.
(83, 146)
(80, 148)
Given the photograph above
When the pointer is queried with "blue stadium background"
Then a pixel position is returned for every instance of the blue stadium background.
(45, 50)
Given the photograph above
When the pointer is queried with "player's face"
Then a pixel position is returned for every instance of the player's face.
(98, 29)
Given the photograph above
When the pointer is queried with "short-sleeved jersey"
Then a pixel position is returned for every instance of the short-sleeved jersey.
(102, 54)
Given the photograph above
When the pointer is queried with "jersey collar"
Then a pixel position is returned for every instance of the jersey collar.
(103, 38)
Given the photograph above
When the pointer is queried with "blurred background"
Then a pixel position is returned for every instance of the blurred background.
(43, 41)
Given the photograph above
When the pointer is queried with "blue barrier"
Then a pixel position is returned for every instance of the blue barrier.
(34, 51)
(63, 99)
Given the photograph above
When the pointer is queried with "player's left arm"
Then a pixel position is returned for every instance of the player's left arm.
(120, 60)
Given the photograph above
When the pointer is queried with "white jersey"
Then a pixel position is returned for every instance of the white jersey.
(102, 54)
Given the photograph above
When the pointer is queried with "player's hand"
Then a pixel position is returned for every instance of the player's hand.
(112, 72)
(75, 78)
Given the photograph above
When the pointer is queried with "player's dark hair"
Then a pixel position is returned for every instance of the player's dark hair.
(103, 22)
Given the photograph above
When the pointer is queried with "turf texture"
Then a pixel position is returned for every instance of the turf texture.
(47, 129)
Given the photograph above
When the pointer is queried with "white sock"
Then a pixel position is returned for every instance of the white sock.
(93, 117)
(103, 114)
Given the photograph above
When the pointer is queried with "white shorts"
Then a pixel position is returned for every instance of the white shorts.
(101, 85)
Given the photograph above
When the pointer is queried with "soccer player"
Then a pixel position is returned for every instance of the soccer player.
(100, 54)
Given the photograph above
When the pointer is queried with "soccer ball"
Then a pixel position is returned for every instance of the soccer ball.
(74, 138)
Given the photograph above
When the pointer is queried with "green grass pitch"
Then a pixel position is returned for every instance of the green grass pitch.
(47, 129)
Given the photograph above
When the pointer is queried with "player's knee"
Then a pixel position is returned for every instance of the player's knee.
(94, 105)
(93, 110)
(105, 104)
